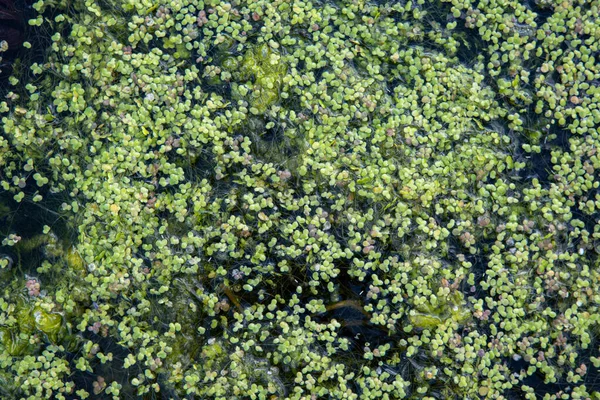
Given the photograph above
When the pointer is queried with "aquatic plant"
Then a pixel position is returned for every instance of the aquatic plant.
(303, 200)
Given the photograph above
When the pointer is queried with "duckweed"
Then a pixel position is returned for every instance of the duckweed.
(301, 200)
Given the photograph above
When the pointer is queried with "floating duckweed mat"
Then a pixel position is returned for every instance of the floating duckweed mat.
(277, 199)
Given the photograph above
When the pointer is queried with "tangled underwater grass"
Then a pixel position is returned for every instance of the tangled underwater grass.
(319, 199)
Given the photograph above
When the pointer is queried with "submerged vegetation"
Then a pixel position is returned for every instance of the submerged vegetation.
(315, 199)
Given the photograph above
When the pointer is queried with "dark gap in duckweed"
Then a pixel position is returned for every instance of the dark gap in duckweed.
(272, 286)
(272, 146)
(356, 325)
(543, 11)
(12, 31)
(513, 394)
(479, 265)
(27, 220)
(537, 165)
(16, 62)
(24, 219)
(274, 134)
(221, 88)
(301, 65)
(318, 73)
(362, 333)
(590, 221)
(471, 45)
(592, 377)
(202, 166)
(111, 371)
(536, 380)
(410, 367)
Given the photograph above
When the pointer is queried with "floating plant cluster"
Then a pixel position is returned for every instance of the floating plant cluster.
(306, 199)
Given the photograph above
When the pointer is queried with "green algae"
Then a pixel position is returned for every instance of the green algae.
(49, 323)
(32, 320)
(256, 76)
(451, 308)
(13, 343)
